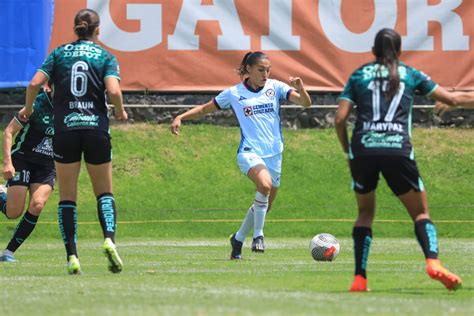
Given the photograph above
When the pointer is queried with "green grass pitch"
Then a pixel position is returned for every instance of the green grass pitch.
(178, 200)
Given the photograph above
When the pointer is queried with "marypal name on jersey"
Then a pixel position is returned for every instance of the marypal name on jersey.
(309, 35)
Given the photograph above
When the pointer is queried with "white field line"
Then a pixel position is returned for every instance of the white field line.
(289, 220)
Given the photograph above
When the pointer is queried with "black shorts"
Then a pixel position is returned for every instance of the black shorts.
(27, 173)
(95, 144)
(400, 173)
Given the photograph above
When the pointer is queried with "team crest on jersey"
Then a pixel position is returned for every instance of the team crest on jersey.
(248, 111)
(270, 93)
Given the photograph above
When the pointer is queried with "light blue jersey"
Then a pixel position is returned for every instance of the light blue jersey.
(258, 113)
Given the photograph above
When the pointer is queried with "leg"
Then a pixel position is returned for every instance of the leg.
(16, 201)
(273, 193)
(67, 175)
(362, 236)
(13, 207)
(425, 230)
(39, 194)
(101, 178)
(263, 181)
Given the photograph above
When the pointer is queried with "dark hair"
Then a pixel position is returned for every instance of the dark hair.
(85, 23)
(250, 59)
(386, 49)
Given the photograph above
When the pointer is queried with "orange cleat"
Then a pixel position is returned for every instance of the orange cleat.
(436, 271)
(359, 284)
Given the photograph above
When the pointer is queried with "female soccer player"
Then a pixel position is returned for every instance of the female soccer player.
(256, 104)
(383, 91)
(81, 72)
(28, 165)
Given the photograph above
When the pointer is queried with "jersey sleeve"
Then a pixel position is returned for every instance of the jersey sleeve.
(112, 68)
(348, 92)
(222, 100)
(423, 83)
(19, 121)
(283, 90)
(48, 65)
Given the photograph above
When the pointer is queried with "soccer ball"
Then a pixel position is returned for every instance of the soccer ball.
(324, 247)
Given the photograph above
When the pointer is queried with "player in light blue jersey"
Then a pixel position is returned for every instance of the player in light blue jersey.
(256, 104)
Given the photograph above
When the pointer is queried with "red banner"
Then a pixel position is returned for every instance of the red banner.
(195, 45)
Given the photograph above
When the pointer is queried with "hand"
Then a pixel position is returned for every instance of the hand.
(46, 87)
(121, 115)
(25, 114)
(176, 125)
(441, 108)
(8, 171)
(296, 83)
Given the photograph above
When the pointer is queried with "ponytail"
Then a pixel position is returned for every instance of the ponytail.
(386, 49)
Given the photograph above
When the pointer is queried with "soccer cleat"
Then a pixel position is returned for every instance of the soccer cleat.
(7, 256)
(359, 284)
(258, 245)
(236, 253)
(73, 265)
(436, 271)
(110, 251)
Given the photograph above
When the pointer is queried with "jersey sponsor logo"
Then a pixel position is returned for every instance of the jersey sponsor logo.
(248, 111)
(258, 109)
(82, 120)
(45, 147)
(381, 140)
(263, 108)
(372, 71)
(81, 105)
(80, 50)
(49, 131)
(270, 93)
(46, 119)
(382, 127)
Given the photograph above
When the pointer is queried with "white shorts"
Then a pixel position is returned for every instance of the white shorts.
(247, 161)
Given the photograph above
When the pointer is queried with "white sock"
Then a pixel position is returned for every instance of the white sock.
(246, 226)
(260, 207)
(7, 252)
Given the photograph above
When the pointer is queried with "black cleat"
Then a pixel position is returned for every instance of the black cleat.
(258, 245)
(236, 248)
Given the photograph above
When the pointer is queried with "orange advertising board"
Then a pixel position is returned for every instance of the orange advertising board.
(195, 45)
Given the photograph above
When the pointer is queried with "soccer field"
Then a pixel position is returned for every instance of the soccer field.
(180, 197)
(195, 277)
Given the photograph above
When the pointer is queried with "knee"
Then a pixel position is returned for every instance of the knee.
(265, 187)
(13, 214)
(36, 206)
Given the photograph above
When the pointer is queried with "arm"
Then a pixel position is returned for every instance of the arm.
(12, 128)
(447, 101)
(31, 92)
(114, 93)
(300, 96)
(196, 112)
(342, 115)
